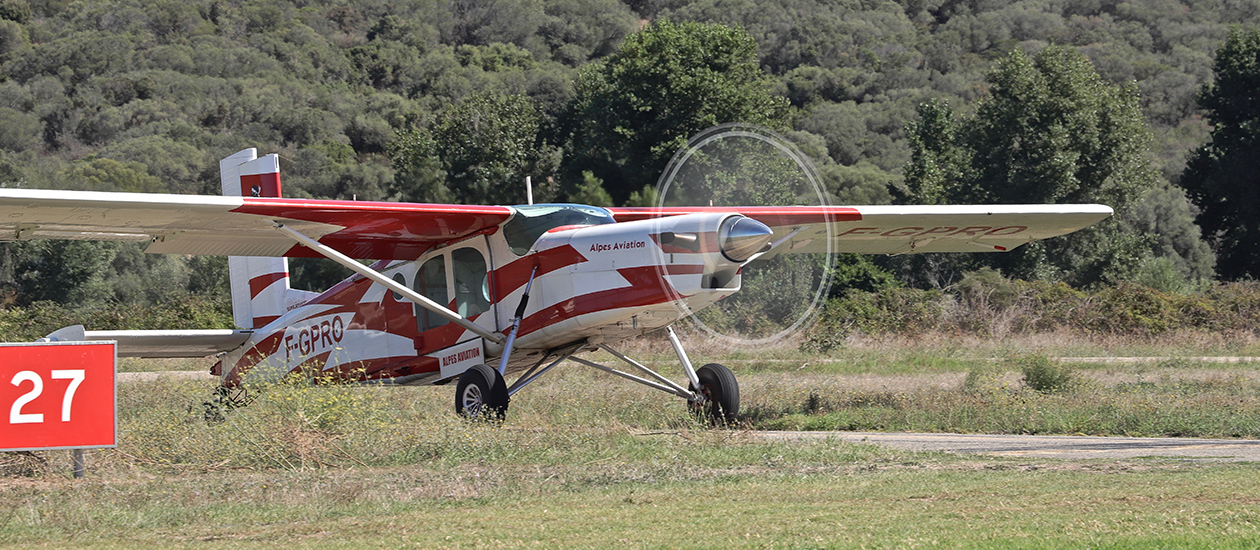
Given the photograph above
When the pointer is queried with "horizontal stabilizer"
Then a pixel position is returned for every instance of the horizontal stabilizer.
(157, 343)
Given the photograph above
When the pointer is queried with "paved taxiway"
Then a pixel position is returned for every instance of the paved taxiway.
(1050, 446)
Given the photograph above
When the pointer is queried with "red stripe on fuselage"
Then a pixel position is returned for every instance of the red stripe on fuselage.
(646, 287)
(684, 269)
(515, 274)
(264, 348)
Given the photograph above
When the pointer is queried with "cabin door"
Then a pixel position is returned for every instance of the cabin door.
(458, 277)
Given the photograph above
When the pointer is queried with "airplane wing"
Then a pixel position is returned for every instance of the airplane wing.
(902, 229)
(241, 226)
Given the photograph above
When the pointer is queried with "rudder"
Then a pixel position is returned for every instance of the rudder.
(260, 285)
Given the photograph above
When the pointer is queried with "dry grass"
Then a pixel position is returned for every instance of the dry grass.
(337, 466)
(133, 364)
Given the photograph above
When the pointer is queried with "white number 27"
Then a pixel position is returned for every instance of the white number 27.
(16, 416)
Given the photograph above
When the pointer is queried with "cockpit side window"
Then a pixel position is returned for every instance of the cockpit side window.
(472, 285)
(530, 222)
(431, 283)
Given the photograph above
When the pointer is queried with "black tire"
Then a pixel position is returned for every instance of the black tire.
(721, 392)
(481, 393)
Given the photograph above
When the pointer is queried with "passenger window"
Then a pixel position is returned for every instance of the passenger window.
(431, 283)
(402, 281)
(472, 288)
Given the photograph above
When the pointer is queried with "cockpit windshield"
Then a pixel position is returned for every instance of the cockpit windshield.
(531, 221)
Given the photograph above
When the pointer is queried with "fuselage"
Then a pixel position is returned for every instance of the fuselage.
(594, 281)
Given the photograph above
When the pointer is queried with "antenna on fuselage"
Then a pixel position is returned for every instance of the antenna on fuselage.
(529, 191)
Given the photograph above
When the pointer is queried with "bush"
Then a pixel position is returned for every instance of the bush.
(892, 311)
(985, 304)
(25, 324)
(18, 131)
(858, 272)
(1044, 375)
(986, 288)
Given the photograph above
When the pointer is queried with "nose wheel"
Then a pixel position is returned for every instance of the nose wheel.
(720, 392)
(481, 393)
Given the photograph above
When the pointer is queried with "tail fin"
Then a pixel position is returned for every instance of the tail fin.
(260, 286)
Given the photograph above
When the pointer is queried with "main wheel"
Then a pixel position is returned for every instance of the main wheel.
(721, 393)
(481, 393)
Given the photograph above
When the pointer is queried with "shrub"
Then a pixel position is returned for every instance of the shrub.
(1044, 375)
(986, 288)
(24, 324)
(892, 311)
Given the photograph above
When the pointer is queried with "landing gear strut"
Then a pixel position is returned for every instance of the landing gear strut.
(712, 391)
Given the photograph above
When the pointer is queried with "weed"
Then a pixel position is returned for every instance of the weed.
(984, 379)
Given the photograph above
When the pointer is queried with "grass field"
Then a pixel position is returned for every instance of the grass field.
(585, 460)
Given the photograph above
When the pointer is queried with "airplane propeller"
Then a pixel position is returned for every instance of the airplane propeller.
(742, 165)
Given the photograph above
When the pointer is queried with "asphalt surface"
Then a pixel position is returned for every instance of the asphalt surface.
(1051, 446)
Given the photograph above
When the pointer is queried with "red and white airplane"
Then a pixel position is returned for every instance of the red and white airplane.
(474, 293)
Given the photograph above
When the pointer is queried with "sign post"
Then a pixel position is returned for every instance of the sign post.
(58, 395)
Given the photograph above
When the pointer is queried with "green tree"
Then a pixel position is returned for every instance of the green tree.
(666, 83)
(592, 192)
(1050, 131)
(418, 174)
(577, 30)
(1223, 175)
(102, 174)
(68, 272)
(1179, 245)
(18, 130)
(12, 38)
(862, 183)
(485, 145)
(937, 159)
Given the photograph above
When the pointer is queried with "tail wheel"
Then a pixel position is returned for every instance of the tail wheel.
(481, 393)
(721, 394)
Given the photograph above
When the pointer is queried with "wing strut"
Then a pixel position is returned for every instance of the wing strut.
(391, 284)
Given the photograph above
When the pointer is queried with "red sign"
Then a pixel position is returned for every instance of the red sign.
(57, 396)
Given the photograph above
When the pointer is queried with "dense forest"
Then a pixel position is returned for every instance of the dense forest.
(457, 100)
